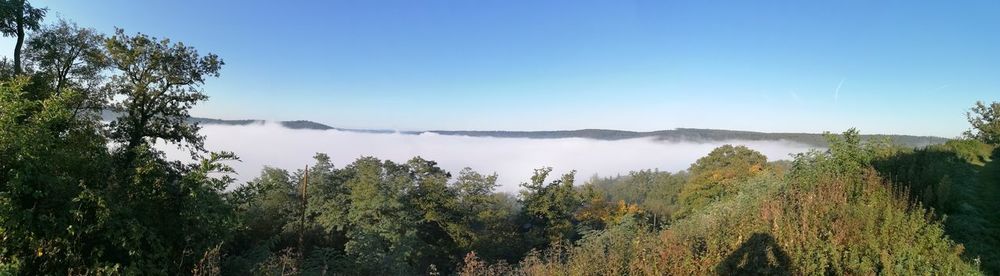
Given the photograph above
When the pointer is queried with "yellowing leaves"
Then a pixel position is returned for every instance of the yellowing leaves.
(607, 213)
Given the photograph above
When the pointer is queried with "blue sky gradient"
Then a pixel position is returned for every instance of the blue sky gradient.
(908, 67)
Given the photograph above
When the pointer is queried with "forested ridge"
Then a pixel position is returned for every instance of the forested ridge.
(83, 195)
(674, 135)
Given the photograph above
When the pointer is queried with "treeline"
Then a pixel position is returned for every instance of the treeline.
(693, 135)
(81, 196)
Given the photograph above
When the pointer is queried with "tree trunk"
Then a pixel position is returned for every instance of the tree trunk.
(20, 37)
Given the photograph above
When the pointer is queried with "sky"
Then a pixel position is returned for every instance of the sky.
(904, 67)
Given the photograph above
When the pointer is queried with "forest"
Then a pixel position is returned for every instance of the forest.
(81, 195)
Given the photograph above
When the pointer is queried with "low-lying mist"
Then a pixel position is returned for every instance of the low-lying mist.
(513, 159)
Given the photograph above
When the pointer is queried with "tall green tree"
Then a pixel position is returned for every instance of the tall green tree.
(69, 204)
(165, 213)
(159, 82)
(16, 17)
(70, 208)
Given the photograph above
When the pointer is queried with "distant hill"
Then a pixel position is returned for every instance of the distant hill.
(207, 121)
(680, 134)
(108, 115)
(692, 134)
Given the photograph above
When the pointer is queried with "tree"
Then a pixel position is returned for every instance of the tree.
(382, 235)
(441, 229)
(715, 175)
(486, 218)
(985, 121)
(48, 158)
(159, 82)
(66, 206)
(549, 208)
(18, 16)
(597, 213)
(70, 56)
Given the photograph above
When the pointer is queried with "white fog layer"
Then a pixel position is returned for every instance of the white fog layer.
(513, 159)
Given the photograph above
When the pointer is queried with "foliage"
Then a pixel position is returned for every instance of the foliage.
(78, 196)
(372, 217)
(549, 208)
(48, 160)
(70, 57)
(599, 214)
(16, 17)
(956, 180)
(985, 121)
(69, 203)
(717, 174)
(655, 192)
(159, 83)
(486, 219)
(771, 224)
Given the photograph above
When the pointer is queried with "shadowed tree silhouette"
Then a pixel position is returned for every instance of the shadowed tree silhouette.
(758, 255)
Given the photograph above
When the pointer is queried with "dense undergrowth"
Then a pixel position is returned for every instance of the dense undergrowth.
(959, 181)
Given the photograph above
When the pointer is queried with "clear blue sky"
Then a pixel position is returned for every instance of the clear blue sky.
(909, 67)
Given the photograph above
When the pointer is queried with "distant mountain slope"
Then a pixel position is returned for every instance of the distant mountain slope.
(108, 115)
(298, 124)
(692, 134)
(207, 121)
(302, 124)
(680, 134)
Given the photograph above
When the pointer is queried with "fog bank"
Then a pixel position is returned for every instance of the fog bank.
(513, 159)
